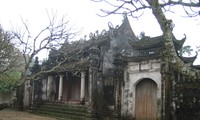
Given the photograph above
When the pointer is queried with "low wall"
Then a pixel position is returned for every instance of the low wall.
(7, 99)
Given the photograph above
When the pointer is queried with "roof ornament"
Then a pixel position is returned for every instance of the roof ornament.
(85, 37)
(110, 25)
(91, 35)
(125, 14)
(184, 37)
(196, 53)
(66, 40)
(97, 33)
(103, 32)
(142, 34)
(117, 27)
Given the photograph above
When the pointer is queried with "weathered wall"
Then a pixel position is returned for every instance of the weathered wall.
(7, 97)
(44, 89)
(119, 44)
(134, 73)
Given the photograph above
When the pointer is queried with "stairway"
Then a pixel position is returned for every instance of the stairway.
(62, 111)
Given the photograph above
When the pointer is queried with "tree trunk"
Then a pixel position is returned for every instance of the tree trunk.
(171, 54)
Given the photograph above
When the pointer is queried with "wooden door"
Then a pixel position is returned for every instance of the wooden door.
(75, 89)
(146, 100)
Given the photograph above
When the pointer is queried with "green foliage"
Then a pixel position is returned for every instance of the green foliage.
(9, 81)
(10, 56)
(11, 62)
(36, 67)
(187, 50)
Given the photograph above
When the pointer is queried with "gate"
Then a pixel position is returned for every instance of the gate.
(146, 100)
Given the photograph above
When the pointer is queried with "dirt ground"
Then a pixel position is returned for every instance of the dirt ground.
(8, 114)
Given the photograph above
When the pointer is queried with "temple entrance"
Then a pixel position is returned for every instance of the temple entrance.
(146, 100)
(75, 89)
(72, 89)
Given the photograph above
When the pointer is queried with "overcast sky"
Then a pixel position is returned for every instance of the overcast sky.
(82, 15)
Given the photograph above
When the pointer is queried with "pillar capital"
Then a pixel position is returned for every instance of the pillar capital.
(83, 73)
(61, 75)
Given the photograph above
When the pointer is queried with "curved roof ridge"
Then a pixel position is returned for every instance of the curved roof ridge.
(189, 60)
(126, 29)
(179, 43)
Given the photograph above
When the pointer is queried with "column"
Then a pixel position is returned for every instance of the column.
(33, 93)
(60, 87)
(82, 97)
(26, 100)
(90, 89)
(49, 87)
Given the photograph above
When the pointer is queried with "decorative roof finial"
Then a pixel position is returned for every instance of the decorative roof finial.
(110, 25)
(125, 14)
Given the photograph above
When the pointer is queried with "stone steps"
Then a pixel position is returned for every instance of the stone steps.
(63, 111)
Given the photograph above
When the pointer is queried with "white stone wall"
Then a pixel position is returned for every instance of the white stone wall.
(134, 73)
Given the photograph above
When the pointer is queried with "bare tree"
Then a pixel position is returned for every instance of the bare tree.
(52, 36)
(135, 8)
